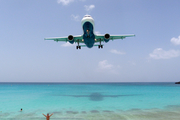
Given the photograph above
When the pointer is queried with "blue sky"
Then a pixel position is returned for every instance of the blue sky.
(153, 55)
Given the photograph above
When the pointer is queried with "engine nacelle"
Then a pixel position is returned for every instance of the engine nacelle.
(106, 37)
(71, 39)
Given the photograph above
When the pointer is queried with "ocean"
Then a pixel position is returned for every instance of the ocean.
(90, 101)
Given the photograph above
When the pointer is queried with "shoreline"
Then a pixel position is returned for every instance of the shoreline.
(169, 112)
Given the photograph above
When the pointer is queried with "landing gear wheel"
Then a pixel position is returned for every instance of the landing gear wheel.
(99, 46)
(78, 47)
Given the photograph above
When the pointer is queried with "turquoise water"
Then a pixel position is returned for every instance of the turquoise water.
(90, 101)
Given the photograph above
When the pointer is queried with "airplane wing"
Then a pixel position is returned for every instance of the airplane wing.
(112, 37)
(77, 38)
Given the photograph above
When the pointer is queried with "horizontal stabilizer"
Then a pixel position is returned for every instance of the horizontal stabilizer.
(86, 46)
(98, 45)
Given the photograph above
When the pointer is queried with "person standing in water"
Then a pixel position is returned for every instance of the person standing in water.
(48, 116)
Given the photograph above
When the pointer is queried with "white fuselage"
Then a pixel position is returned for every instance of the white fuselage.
(87, 18)
(88, 31)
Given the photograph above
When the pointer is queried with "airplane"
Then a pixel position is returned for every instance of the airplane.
(89, 38)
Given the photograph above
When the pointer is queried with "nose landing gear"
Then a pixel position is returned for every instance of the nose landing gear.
(88, 31)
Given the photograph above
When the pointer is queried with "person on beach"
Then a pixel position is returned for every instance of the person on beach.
(21, 110)
(48, 116)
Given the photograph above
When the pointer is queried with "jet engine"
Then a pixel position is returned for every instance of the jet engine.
(71, 39)
(106, 37)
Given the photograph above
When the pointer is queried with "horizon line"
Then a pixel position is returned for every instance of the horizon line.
(86, 82)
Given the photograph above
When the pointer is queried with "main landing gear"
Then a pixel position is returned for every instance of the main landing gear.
(78, 47)
(100, 46)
